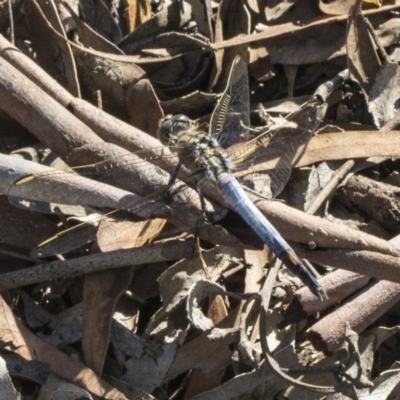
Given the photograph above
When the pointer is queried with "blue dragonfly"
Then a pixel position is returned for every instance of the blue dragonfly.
(212, 157)
(215, 160)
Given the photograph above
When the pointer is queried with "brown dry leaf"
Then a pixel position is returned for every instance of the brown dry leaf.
(128, 234)
(140, 98)
(198, 292)
(259, 65)
(100, 295)
(200, 382)
(98, 16)
(102, 290)
(181, 75)
(201, 352)
(290, 28)
(194, 104)
(363, 61)
(183, 55)
(387, 383)
(21, 341)
(121, 84)
(136, 13)
(176, 281)
(377, 3)
(349, 145)
(89, 37)
(54, 53)
(172, 18)
(336, 7)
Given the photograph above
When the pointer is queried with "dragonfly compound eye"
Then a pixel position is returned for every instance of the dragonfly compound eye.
(180, 123)
(171, 126)
(164, 130)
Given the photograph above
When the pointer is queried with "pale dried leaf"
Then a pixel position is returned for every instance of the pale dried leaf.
(56, 388)
(336, 7)
(384, 94)
(352, 144)
(7, 389)
(128, 234)
(362, 60)
(148, 371)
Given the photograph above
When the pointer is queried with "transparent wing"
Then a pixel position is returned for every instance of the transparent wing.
(271, 158)
(231, 117)
(267, 160)
(52, 190)
(138, 186)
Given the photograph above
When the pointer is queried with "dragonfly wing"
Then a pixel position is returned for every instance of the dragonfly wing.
(127, 234)
(275, 154)
(268, 172)
(46, 186)
(110, 234)
(65, 192)
(231, 117)
(66, 241)
(49, 192)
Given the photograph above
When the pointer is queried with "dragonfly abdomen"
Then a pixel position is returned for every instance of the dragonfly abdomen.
(236, 198)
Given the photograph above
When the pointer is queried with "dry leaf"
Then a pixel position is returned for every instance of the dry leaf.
(352, 144)
(27, 345)
(363, 61)
(185, 52)
(53, 52)
(136, 13)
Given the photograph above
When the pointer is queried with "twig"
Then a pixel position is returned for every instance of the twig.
(378, 200)
(172, 250)
(360, 312)
(377, 265)
(201, 258)
(271, 363)
(11, 18)
(338, 285)
(330, 186)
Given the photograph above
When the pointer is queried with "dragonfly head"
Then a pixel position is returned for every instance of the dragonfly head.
(171, 126)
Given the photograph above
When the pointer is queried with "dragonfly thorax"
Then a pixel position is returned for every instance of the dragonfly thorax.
(196, 149)
(201, 152)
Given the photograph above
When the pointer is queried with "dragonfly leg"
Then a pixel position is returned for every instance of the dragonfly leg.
(211, 216)
(202, 200)
(174, 176)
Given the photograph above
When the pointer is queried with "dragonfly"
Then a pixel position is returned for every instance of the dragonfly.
(215, 160)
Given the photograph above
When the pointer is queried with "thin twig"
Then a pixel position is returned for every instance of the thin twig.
(330, 186)
(201, 258)
(11, 17)
(265, 294)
